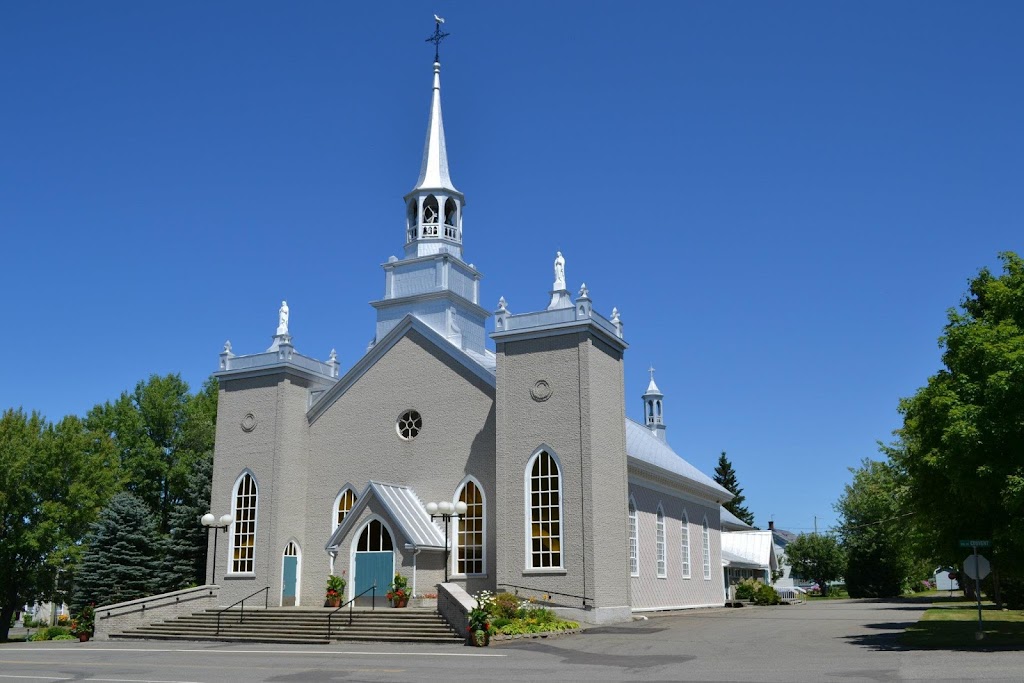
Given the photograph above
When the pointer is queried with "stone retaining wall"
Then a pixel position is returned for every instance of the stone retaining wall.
(123, 616)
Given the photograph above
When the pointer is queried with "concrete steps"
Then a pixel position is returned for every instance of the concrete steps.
(299, 625)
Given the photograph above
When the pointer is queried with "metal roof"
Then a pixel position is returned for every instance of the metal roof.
(404, 508)
(731, 520)
(752, 548)
(643, 445)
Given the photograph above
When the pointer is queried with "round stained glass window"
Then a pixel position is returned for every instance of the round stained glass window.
(409, 425)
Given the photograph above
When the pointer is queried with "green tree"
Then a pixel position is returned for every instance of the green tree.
(164, 437)
(53, 481)
(962, 439)
(126, 556)
(876, 533)
(818, 557)
(725, 475)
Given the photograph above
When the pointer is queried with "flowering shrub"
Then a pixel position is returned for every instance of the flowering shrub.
(335, 586)
(399, 588)
(480, 616)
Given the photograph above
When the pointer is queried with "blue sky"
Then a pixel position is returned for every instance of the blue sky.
(782, 199)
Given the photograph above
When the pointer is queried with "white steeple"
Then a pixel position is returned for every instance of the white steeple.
(434, 167)
(432, 282)
(653, 416)
(434, 206)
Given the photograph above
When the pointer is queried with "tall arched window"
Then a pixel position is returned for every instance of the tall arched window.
(243, 533)
(343, 504)
(706, 543)
(470, 536)
(544, 512)
(659, 529)
(686, 545)
(634, 550)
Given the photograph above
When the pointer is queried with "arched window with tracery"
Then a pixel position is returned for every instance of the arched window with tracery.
(344, 503)
(634, 542)
(243, 532)
(544, 511)
(470, 537)
(375, 538)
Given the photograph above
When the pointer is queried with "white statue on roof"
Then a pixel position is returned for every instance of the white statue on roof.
(559, 272)
(282, 320)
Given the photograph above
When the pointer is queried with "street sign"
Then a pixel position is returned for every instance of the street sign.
(977, 567)
(975, 544)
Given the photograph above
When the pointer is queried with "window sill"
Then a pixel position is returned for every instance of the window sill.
(662, 576)
(467, 576)
(240, 575)
(555, 571)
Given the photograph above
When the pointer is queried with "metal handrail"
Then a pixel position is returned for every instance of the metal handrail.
(373, 606)
(241, 615)
(548, 592)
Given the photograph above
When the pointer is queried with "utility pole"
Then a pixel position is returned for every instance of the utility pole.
(815, 525)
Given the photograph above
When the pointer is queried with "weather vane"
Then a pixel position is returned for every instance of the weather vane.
(437, 37)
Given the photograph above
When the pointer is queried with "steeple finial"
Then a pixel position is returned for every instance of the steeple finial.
(437, 37)
(434, 169)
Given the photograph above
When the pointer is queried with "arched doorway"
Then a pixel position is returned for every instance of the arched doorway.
(290, 575)
(374, 560)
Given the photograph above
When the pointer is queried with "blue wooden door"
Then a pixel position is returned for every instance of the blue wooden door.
(374, 568)
(288, 580)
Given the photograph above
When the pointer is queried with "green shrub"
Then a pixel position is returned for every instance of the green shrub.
(766, 595)
(63, 637)
(747, 589)
(506, 606)
(524, 626)
(1012, 591)
(50, 633)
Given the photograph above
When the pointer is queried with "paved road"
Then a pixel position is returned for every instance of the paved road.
(835, 641)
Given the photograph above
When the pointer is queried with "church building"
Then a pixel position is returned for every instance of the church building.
(332, 470)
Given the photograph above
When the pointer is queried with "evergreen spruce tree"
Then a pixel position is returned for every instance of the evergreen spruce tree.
(125, 555)
(188, 537)
(725, 475)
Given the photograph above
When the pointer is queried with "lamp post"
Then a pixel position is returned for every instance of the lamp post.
(446, 511)
(209, 522)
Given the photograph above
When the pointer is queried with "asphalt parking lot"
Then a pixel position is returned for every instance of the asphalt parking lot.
(830, 641)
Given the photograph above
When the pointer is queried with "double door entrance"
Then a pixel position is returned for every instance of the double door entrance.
(374, 563)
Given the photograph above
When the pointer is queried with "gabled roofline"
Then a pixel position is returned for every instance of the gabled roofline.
(407, 324)
(364, 499)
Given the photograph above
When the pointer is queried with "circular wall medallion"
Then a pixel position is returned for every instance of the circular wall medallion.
(541, 391)
(248, 422)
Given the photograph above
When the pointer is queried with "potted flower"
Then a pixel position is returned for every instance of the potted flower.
(82, 625)
(479, 627)
(335, 589)
(398, 595)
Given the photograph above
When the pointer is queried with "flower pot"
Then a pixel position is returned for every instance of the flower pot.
(480, 638)
(83, 637)
(399, 602)
(333, 602)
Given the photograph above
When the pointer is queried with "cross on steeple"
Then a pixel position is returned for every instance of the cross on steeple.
(437, 37)
(651, 370)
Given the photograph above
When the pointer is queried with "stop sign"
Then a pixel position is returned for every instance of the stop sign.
(977, 567)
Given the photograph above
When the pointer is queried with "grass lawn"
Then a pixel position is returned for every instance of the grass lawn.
(954, 625)
(834, 593)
